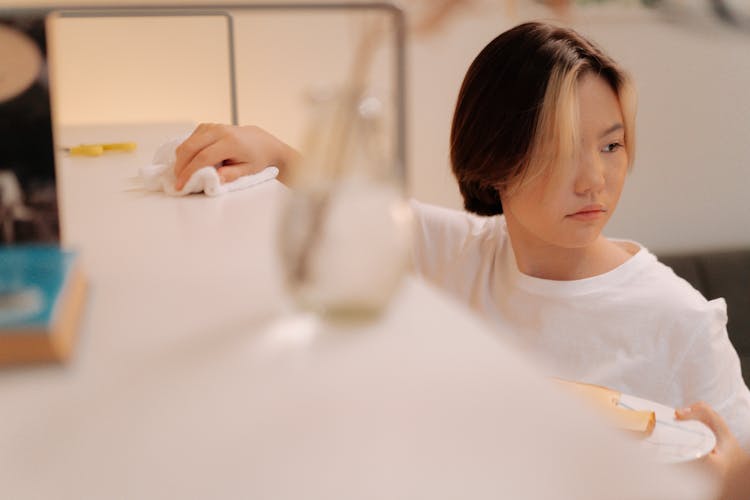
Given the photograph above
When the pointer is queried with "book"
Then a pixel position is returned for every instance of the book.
(42, 299)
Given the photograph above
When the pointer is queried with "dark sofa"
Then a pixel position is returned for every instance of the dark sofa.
(722, 274)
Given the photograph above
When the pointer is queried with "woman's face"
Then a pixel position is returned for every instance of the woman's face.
(569, 205)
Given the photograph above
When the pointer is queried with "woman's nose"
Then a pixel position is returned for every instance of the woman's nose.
(589, 174)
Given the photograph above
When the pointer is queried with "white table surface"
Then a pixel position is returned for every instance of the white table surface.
(192, 378)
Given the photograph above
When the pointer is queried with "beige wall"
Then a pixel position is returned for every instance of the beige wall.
(172, 69)
(689, 186)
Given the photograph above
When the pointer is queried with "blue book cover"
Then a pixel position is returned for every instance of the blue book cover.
(32, 277)
(42, 298)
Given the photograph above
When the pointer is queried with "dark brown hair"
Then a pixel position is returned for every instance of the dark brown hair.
(516, 111)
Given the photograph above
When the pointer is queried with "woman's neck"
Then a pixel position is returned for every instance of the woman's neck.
(543, 260)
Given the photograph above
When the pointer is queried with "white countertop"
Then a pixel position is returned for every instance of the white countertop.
(192, 377)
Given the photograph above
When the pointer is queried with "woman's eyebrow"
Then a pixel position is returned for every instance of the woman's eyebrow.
(613, 128)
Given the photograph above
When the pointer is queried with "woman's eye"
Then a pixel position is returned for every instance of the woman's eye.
(612, 147)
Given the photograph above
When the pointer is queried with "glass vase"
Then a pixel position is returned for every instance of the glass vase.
(345, 231)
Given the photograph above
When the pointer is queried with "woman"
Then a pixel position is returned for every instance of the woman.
(542, 139)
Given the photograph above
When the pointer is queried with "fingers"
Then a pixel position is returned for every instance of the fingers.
(728, 459)
(209, 145)
(233, 172)
(209, 156)
(704, 413)
(203, 135)
(234, 151)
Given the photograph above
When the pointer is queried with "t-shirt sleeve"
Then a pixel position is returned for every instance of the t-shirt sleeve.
(710, 372)
(447, 240)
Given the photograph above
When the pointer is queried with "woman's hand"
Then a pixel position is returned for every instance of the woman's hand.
(727, 459)
(234, 151)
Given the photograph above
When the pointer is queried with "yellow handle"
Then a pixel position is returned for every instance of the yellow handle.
(99, 149)
(119, 146)
(87, 150)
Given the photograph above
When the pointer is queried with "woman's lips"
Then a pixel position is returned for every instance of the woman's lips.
(589, 213)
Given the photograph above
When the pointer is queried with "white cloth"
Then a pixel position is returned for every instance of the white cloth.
(638, 328)
(160, 175)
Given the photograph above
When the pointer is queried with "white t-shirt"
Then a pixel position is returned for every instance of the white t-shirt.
(638, 328)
